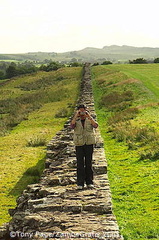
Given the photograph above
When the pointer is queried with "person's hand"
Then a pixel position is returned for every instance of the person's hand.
(77, 114)
(75, 117)
(88, 115)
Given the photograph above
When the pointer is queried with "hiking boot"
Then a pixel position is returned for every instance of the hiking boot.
(91, 186)
(80, 187)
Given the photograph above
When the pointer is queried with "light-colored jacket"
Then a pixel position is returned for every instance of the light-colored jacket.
(83, 135)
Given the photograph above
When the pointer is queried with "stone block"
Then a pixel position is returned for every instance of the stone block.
(47, 207)
(100, 209)
(100, 169)
(72, 208)
(53, 181)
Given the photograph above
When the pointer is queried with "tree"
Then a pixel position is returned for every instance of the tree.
(156, 60)
(74, 60)
(106, 63)
(11, 71)
(95, 64)
(138, 61)
(43, 67)
(75, 64)
(19, 69)
(52, 66)
(1, 75)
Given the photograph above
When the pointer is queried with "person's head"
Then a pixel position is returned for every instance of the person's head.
(82, 111)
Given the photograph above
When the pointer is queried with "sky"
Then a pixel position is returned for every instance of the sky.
(69, 25)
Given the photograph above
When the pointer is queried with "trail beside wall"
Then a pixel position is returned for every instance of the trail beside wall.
(54, 208)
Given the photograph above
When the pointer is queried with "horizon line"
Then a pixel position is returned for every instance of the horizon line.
(77, 50)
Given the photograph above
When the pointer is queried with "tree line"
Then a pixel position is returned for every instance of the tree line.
(12, 69)
(143, 61)
(9, 70)
(135, 61)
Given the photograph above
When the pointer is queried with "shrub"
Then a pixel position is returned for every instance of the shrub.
(156, 60)
(75, 64)
(138, 61)
(3, 128)
(145, 134)
(124, 131)
(52, 66)
(40, 83)
(1, 75)
(106, 63)
(95, 64)
(124, 115)
(36, 141)
(61, 113)
(131, 145)
(116, 100)
(127, 96)
(151, 154)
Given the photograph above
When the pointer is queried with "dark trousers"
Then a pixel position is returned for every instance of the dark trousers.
(84, 164)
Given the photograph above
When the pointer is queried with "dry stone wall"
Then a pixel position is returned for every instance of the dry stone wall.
(54, 208)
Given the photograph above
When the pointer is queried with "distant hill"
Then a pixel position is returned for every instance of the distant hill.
(113, 53)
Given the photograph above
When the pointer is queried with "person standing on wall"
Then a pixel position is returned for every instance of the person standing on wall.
(84, 139)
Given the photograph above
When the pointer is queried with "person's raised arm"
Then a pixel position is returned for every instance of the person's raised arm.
(73, 122)
(93, 122)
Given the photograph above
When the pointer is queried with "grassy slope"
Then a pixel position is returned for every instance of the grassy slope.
(21, 165)
(134, 183)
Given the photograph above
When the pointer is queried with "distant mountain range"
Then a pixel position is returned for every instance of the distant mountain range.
(112, 53)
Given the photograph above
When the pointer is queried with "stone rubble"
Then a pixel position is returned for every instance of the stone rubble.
(54, 208)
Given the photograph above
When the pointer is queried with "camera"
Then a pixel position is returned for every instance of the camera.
(83, 113)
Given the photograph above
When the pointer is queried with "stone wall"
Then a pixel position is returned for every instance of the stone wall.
(54, 208)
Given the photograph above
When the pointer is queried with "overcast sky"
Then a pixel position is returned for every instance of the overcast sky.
(68, 25)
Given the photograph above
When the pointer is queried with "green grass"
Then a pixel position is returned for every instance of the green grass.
(134, 182)
(147, 73)
(25, 94)
(22, 164)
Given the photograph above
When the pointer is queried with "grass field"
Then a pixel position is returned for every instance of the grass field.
(23, 144)
(127, 106)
